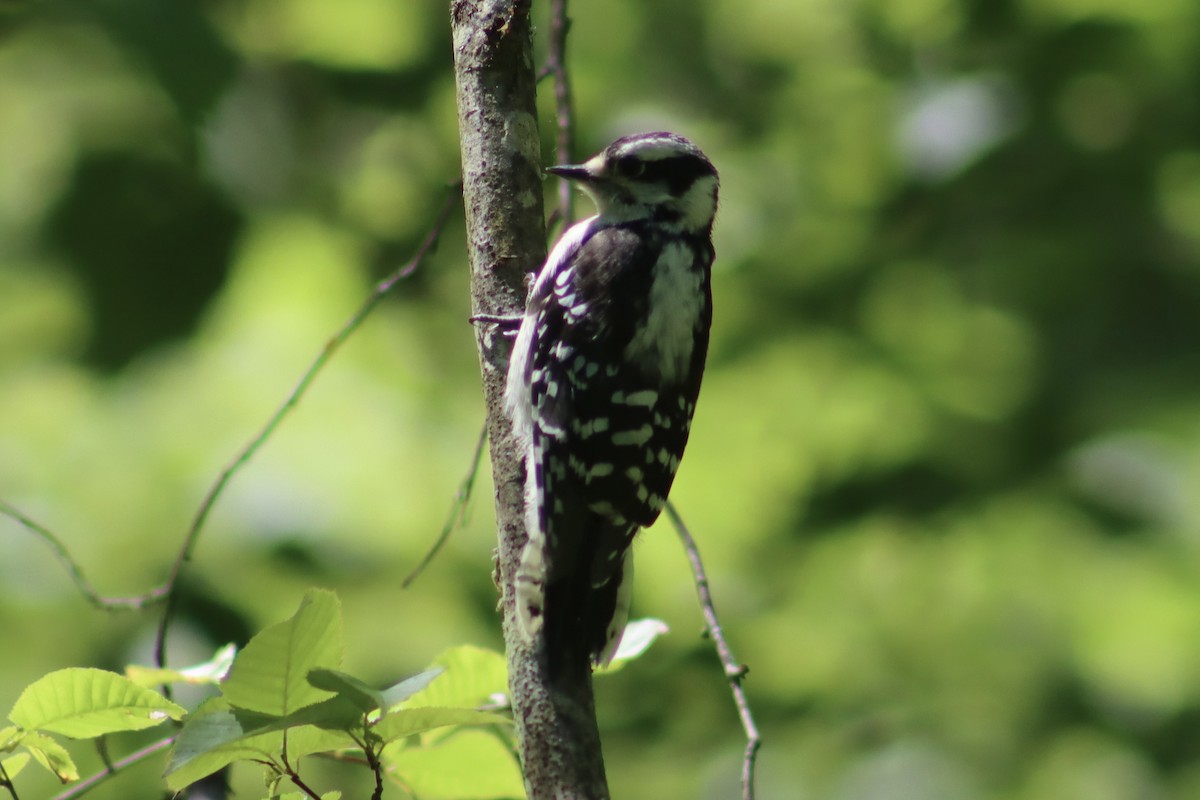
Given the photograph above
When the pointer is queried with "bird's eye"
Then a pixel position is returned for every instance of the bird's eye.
(630, 167)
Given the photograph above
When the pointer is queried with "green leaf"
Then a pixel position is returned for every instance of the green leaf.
(408, 721)
(638, 637)
(14, 764)
(308, 739)
(216, 735)
(335, 714)
(432, 772)
(335, 795)
(10, 737)
(399, 692)
(270, 675)
(51, 755)
(351, 688)
(84, 703)
(211, 671)
(474, 677)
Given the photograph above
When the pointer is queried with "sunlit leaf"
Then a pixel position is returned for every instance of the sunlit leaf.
(216, 735)
(14, 764)
(437, 772)
(473, 677)
(9, 737)
(82, 703)
(399, 692)
(211, 671)
(308, 739)
(51, 755)
(351, 688)
(335, 714)
(270, 675)
(408, 721)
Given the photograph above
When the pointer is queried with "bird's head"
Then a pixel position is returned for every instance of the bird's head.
(656, 176)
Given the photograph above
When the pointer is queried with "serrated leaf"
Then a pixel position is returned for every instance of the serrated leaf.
(437, 772)
(270, 675)
(347, 686)
(211, 671)
(335, 714)
(14, 764)
(399, 692)
(639, 635)
(474, 676)
(408, 721)
(216, 735)
(335, 795)
(51, 755)
(308, 739)
(10, 737)
(84, 703)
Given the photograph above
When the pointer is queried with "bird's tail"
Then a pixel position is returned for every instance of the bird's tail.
(586, 606)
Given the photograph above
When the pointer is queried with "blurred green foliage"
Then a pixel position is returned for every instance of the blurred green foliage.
(945, 468)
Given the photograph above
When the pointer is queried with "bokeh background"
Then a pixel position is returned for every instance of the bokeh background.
(945, 469)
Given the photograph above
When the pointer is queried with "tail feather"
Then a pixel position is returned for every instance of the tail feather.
(580, 619)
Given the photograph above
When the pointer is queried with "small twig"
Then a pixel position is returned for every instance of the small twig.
(564, 116)
(381, 289)
(372, 754)
(458, 511)
(90, 782)
(734, 671)
(7, 783)
(294, 775)
(97, 600)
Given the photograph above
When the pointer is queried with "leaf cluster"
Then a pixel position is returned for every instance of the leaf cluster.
(280, 699)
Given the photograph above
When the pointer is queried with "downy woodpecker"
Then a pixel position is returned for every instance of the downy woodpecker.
(603, 382)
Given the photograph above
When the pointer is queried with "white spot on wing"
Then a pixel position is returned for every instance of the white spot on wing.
(635, 437)
(646, 397)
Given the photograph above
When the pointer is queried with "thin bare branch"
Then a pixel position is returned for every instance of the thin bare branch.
(380, 291)
(458, 511)
(564, 111)
(73, 569)
(734, 671)
(92, 781)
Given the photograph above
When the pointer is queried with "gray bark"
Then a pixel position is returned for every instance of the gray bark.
(502, 188)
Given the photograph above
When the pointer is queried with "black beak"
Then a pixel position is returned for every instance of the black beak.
(572, 172)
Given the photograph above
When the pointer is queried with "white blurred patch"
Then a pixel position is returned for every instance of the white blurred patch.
(1134, 473)
(945, 125)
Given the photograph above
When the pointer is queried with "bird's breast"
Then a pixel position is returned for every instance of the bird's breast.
(665, 336)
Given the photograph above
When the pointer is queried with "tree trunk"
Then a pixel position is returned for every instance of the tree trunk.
(502, 189)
